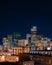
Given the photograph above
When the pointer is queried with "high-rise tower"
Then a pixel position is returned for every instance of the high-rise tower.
(16, 36)
(34, 30)
(9, 37)
(33, 35)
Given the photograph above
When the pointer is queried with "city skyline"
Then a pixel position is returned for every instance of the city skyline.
(20, 16)
(33, 30)
(21, 35)
(25, 32)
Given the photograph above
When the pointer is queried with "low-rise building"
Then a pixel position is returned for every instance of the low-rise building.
(22, 42)
(28, 63)
(12, 58)
(18, 50)
(8, 58)
(26, 49)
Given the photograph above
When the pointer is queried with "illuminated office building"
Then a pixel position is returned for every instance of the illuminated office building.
(9, 37)
(28, 37)
(22, 42)
(32, 38)
(39, 45)
(45, 41)
(34, 30)
(16, 37)
(26, 49)
(18, 50)
(6, 42)
(33, 49)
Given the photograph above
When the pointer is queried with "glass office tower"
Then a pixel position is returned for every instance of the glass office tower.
(16, 37)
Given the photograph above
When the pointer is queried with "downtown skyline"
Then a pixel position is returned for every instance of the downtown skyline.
(25, 36)
(25, 32)
(20, 16)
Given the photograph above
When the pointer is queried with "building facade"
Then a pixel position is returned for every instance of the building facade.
(22, 42)
(16, 37)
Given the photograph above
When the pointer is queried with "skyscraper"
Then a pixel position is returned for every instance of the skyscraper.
(33, 35)
(7, 42)
(16, 36)
(32, 38)
(34, 30)
(9, 37)
(28, 37)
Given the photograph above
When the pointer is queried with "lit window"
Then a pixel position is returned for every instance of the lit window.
(25, 64)
(17, 59)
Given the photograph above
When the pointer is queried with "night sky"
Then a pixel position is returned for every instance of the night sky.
(20, 16)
